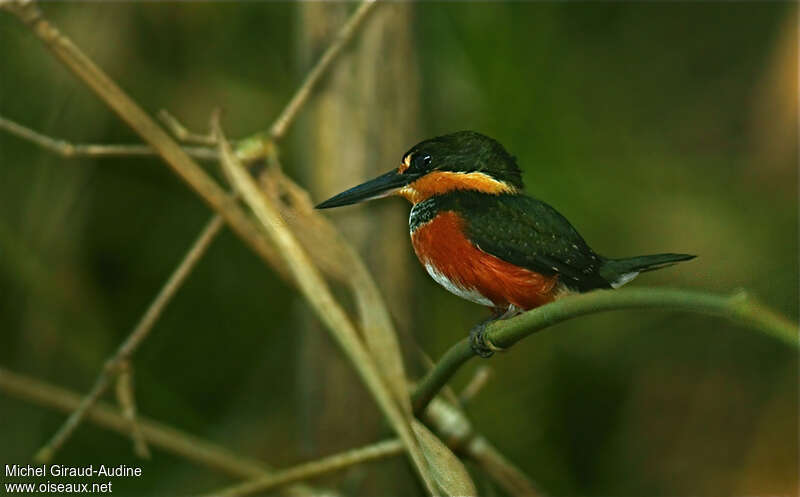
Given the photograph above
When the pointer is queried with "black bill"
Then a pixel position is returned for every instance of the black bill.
(383, 185)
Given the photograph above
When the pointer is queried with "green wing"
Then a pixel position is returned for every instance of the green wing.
(529, 233)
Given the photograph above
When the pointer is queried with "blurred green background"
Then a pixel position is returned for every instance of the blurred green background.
(652, 127)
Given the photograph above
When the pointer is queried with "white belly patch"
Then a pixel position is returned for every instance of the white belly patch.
(465, 293)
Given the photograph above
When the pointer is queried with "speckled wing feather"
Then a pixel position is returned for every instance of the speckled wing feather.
(529, 233)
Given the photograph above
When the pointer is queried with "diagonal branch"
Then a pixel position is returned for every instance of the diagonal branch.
(137, 335)
(289, 113)
(739, 308)
(138, 120)
(316, 291)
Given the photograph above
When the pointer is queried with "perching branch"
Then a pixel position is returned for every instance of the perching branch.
(739, 308)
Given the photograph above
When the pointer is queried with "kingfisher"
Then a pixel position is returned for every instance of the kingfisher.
(480, 237)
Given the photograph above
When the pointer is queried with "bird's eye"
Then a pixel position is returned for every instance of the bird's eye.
(420, 162)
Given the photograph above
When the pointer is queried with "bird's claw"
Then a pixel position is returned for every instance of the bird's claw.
(481, 345)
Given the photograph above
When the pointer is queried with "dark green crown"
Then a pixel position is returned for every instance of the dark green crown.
(466, 152)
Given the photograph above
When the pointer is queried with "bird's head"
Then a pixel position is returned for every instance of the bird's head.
(465, 160)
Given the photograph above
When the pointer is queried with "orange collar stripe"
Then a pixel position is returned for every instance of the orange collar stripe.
(440, 182)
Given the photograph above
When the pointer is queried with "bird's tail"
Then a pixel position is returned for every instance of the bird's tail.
(620, 271)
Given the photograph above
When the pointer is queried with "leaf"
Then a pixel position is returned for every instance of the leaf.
(448, 471)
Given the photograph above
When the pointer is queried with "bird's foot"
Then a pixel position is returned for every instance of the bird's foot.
(480, 343)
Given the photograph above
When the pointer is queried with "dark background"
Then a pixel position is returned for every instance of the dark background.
(652, 127)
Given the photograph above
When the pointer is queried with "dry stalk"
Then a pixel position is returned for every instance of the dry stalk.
(315, 290)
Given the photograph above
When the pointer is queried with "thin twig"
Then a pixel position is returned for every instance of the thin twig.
(336, 462)
(500, 469)
(137, 335)
(127, 402)
(503, 334)
(475, 385)
(181, 133)
(289, 113)
(158, 435)
(70, 150)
